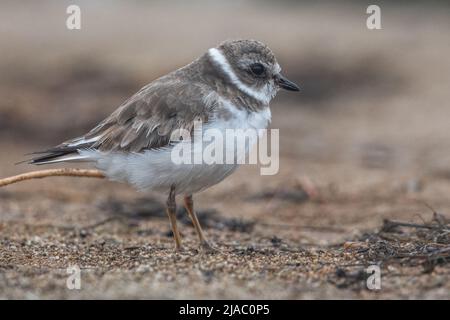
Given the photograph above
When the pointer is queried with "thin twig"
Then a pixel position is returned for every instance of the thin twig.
(66, 172)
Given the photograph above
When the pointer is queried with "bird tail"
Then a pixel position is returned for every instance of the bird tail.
(67, 152)
(47, 157)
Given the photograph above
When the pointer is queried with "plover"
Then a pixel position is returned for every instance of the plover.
(228, 87)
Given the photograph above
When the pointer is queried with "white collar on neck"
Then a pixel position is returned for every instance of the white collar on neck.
(217, 56)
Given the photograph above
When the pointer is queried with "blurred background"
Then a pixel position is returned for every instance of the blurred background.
(367, 137)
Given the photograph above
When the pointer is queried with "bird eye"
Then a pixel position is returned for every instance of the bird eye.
(257, 69)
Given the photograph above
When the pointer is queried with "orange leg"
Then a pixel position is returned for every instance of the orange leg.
(171, 210)
(189, 205)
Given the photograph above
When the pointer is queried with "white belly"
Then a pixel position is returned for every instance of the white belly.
(155, 170)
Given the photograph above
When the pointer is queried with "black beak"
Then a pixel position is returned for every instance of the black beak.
(285, 83)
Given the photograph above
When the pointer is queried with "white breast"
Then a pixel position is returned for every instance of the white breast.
(246, 125)
(241, 118)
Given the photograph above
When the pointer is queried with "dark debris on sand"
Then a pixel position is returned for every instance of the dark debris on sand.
(400, 248)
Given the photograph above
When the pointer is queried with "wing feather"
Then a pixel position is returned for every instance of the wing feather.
(143, 122)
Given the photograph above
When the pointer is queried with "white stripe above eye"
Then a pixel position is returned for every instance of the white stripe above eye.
(218, 57)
